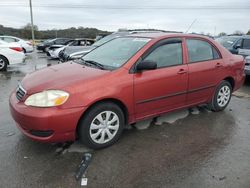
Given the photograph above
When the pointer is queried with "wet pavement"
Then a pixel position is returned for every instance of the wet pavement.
(189, 148)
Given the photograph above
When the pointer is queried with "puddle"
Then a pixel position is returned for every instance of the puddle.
(142, 125)
(172, 117)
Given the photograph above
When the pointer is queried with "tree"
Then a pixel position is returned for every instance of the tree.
(222, 34)
(248, 33)
(26, 31)
(237, 32)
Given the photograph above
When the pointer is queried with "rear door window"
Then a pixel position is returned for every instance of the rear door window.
(200, 50)
(7, 39)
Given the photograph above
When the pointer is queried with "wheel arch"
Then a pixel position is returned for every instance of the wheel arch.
(113, 100)
(5, 58)
(231, 81)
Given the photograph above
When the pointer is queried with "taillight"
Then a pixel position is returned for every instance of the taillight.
(17, 49)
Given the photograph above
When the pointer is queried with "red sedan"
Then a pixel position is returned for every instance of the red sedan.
(124, 81)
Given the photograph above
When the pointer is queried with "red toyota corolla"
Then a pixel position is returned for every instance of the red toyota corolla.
(121, 82)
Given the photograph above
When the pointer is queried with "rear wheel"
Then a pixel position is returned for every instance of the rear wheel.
(221, 97)
(102, 125)
(3, 63)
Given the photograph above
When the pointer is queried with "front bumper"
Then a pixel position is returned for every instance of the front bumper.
(45, 124)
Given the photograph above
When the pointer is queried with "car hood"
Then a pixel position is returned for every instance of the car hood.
(61, 76)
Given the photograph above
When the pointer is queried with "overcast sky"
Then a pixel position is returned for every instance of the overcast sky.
(213, 16)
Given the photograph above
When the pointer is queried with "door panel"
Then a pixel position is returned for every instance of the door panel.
(160, 90)
(165, 88)
(203, 77)
(205, 65)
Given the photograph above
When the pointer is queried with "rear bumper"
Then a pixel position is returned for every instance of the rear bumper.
(17, 58)
(239, 81)
(40, 47)
(45, 124)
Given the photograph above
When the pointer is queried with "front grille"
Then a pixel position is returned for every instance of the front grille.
(20, 92)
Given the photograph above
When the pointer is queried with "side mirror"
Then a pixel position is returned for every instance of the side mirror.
(146, 65)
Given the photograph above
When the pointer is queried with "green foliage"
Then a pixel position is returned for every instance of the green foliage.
(25, 32)
(222, 34)
(248, 33)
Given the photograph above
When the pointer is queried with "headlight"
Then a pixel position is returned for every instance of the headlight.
(47, 98)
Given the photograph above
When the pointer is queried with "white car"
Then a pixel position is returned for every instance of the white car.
(10, 53)
(26, 45)
(54, 53)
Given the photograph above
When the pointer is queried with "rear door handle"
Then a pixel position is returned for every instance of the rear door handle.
(182, 71)
(218, 65)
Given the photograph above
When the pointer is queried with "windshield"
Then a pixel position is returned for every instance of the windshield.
(108, 38)
(227, 41)
(115, 53)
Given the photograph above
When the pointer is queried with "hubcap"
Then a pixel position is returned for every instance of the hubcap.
(104, 127)
(223, 96)
(1, 63)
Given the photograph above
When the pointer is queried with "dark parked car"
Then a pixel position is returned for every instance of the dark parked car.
(125, 80)
(47, 43)
(232, 43)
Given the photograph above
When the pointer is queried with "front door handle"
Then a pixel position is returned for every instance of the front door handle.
(182, 71)
(218, 65)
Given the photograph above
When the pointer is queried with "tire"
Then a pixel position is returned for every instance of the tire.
(222, 93)
(93, 130)
(3, 63)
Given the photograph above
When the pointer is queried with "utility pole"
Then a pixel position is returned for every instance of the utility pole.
(32, 26)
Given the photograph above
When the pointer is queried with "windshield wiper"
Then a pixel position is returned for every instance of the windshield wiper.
(99, 65)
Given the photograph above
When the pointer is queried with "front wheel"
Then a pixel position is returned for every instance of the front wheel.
(102, 125)
(221, 97)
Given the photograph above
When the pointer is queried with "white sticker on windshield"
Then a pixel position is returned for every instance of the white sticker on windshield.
(141, 39)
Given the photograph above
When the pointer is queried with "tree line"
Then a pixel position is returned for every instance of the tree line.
(25, 32)
(73, 32)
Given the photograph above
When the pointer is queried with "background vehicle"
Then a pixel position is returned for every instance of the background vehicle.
(247, 66)
(232, 43)
(10, 53)
(244, 47)
(26, 45)
(121, 82)
(47, 43)
(73, 52)
(53, 51)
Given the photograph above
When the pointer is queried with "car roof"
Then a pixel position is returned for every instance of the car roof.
(164, 34)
